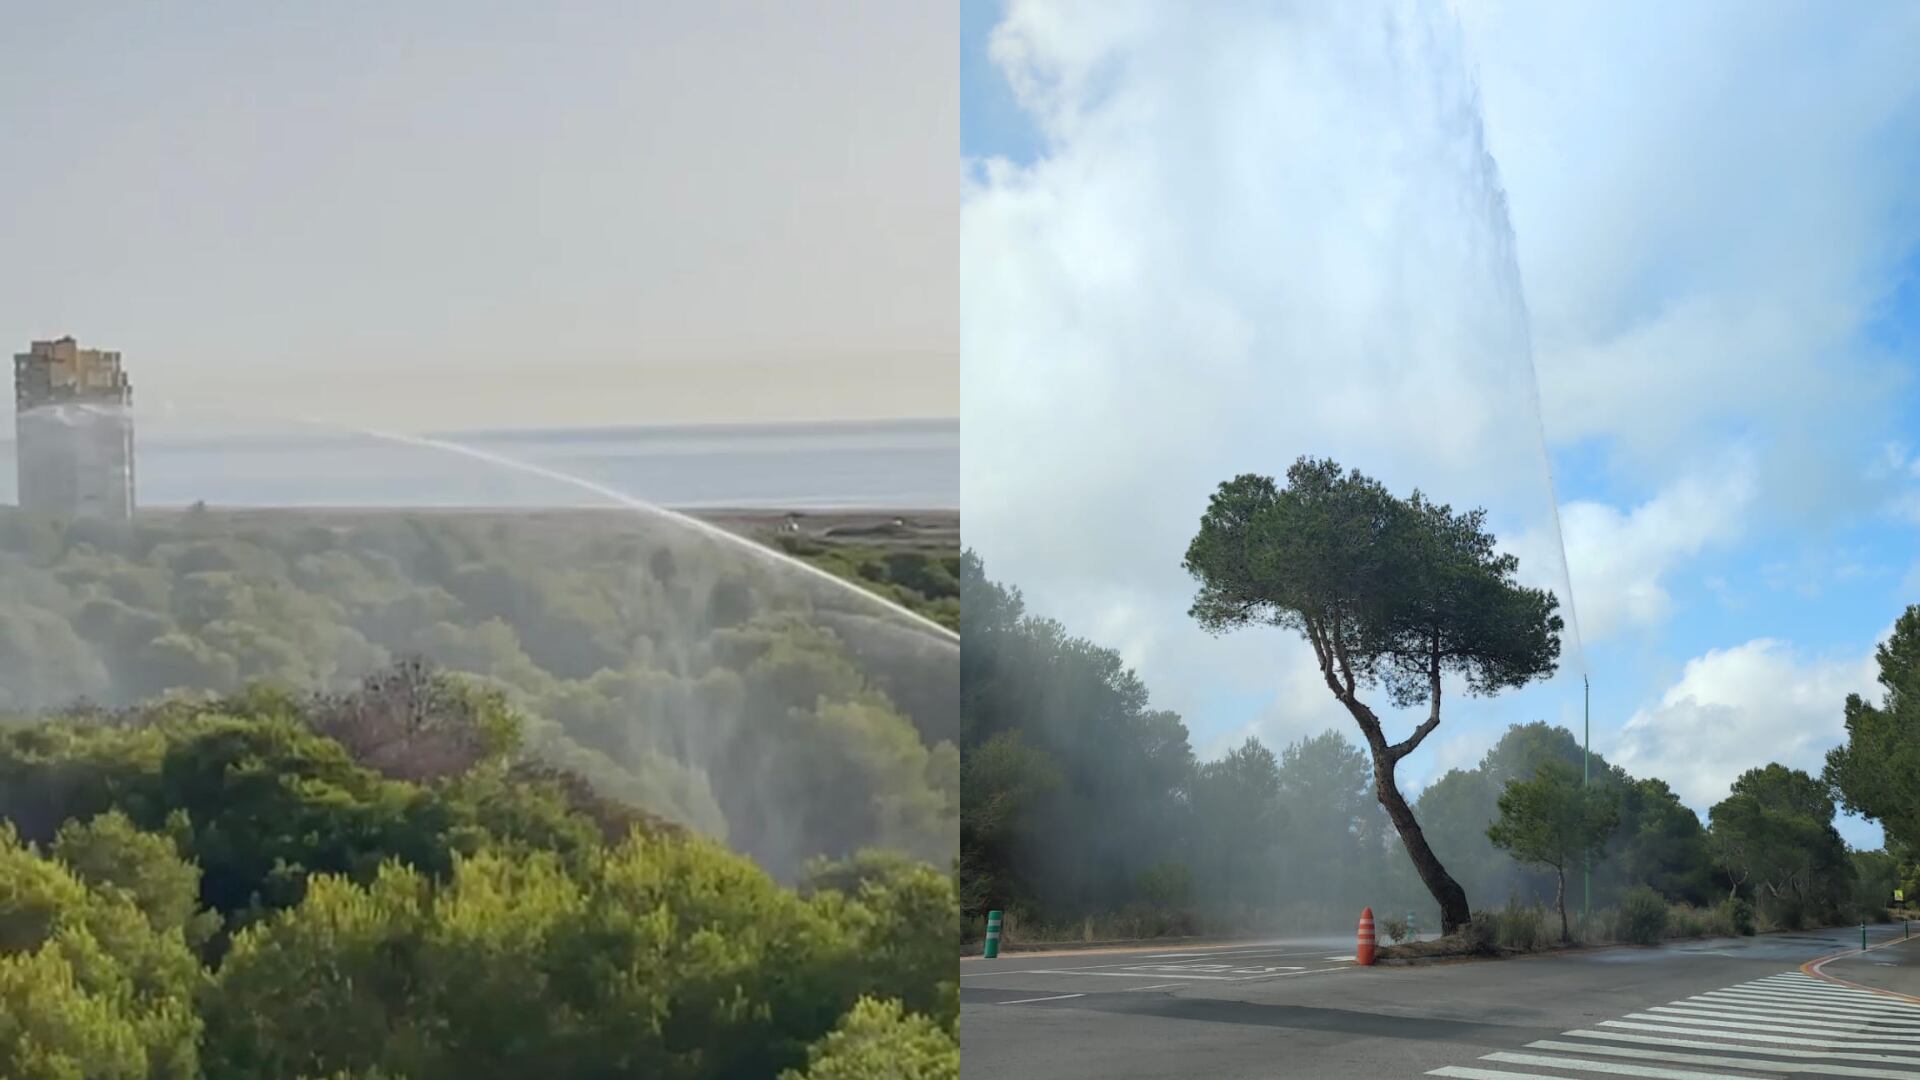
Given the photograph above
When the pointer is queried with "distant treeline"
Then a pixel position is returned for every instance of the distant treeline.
(384, 883)
(1084, 807)
(680, 675)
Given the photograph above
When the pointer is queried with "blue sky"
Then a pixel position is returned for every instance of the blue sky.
(1721, 271)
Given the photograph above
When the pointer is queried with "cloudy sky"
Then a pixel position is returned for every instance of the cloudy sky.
(471, 214)
(1202, 241)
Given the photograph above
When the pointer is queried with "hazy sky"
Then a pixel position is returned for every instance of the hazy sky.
(456, 214)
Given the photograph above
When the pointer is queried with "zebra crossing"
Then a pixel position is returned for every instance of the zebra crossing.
(1783, 1025)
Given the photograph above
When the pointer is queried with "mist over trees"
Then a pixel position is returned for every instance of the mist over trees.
(226, 889)
(676, 675)
(1086, 811)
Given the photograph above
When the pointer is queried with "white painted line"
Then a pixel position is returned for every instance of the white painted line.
(1462, 1072)
(1751, 1064)
(1347, 959)
(1130, 975)
(1852, 1008)
(1795, 1014)
(1546, 1061)
(1739, 1026)
(1775, 1051)
(1292, 974)
(1795, 1021)
(1813, 997)
(1029, 1001)
(1824, 997)
(1756, 1037)
(1139, 989)
(1820, 986)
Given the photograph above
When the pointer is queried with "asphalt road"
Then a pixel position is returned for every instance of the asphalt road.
(1701, 1010)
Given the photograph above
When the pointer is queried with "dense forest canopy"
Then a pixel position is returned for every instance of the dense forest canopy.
(1082, 803)
(787, 717)
(386, 794)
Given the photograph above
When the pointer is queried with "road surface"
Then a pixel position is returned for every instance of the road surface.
(1700, 1010)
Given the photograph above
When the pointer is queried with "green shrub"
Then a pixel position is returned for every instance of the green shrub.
(1643, 916)
(1522, 929)
(1686, 921)
(1739, 916)
(1482, 934)
(1395, 928)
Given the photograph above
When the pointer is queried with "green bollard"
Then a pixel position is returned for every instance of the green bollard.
(993, 934)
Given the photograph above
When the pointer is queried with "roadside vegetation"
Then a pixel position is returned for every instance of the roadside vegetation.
(1086, 815)
(344, 795)
(386, 884)
(678, 676)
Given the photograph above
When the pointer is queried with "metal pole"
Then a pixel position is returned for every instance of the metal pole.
(1586, 749)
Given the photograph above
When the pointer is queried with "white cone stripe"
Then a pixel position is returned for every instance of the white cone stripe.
(1755, 1036)
(1739, 1025)
(1797, 1021)
(1776, 1051)
(1797, 1013)
(1751, 1064)
(1614, 1067)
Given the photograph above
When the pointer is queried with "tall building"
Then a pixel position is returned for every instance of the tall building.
(73, 431)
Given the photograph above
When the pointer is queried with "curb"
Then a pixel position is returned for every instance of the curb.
(1813, 968)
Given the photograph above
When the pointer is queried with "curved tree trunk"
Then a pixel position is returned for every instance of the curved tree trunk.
(1560, 901)
(1446, 891)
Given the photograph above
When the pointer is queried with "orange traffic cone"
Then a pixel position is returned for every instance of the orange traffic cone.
(1364, 954)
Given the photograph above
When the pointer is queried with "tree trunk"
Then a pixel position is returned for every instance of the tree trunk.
(1560, 901)
(1446, 891)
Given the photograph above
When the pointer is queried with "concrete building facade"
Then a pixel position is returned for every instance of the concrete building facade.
(73, 431)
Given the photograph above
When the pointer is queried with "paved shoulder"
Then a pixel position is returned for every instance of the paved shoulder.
(1787, 1024)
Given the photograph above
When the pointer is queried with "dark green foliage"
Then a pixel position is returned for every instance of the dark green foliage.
(1876, 772)
(456, 911)
(1555, 821)
(1739, 915)
(1774, 836)
(1643, 916)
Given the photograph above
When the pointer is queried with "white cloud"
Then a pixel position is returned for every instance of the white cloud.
(1619, 560)
(1266, 230)
(1739, 708)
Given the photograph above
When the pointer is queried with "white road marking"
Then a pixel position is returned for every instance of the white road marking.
(1157, 986)
(1029, 1001)
(1828, 1005)
(1613, 1067)
(1465, 1073)
(1798, 1022)
(1779, 1024)
(1127, 975)
(1750, 1064)
(1768, 1008)
(1775, 1051)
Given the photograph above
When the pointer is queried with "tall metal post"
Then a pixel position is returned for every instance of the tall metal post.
(1586, 772)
